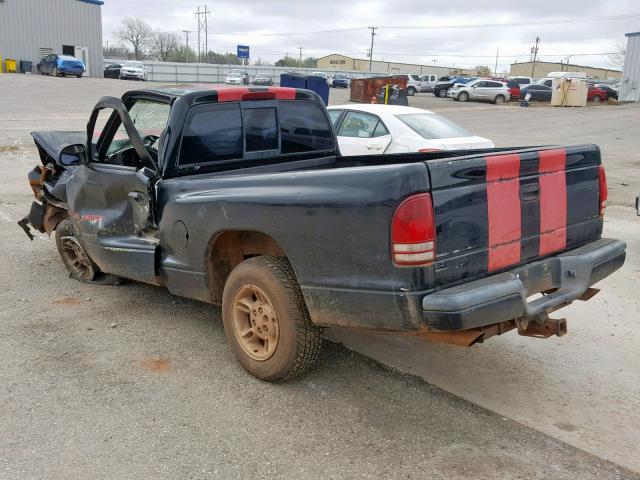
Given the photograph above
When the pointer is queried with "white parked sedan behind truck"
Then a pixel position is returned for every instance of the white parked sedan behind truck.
(368, 129)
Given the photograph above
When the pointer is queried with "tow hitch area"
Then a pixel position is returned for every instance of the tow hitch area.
(468, 338)
(550, 327)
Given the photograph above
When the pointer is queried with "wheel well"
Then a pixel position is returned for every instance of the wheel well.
(228, 249)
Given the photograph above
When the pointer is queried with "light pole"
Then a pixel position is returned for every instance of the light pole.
(187, 32)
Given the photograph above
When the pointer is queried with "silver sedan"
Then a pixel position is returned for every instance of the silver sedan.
(483, 90)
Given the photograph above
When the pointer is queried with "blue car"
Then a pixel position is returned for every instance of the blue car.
(64, 65)
(340, 80)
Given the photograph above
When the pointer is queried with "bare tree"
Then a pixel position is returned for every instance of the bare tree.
(136, 33)
(616, 59)
(164, 44)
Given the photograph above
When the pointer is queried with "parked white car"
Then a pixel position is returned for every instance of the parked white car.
(483, 90)
(134, 71)
(368, 129)
(234, 78)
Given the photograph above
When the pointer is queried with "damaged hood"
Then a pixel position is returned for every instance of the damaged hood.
(54, 142)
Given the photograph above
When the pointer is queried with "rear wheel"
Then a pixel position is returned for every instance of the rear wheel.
(463, 97)
(266, 320)
(411, 91)
(54, 71)
(76, 259)
(499, 99)
(596, 99)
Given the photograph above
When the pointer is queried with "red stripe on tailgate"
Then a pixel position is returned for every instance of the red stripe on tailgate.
(503, 202)
(553, 200)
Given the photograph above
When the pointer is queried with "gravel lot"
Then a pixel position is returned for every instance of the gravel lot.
(131, 382)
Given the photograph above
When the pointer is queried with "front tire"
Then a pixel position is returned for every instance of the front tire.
(266, 320)
(76, 259)
(596, 99)
(54, 72)
(463, 97)
(442, 93)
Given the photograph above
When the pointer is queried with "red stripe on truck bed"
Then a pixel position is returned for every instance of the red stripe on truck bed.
(503, 202)
(553, 200)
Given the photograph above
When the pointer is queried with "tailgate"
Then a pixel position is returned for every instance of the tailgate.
(495, 212)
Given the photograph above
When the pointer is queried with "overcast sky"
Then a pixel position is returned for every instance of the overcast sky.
(297, 23)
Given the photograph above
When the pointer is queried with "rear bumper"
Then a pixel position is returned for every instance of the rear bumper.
(473, 304)
(504, 296)
(71, 70)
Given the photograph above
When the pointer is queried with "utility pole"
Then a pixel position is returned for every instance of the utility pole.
(495, 70)
(373, 34)
(187, 32)
(534, 50)
(201, 16)
(300, 48)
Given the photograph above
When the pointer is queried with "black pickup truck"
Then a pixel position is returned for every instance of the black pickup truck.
(240, 197)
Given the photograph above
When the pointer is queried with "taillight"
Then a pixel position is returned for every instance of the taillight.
(602, 181)
(424, 150)
(413, 232)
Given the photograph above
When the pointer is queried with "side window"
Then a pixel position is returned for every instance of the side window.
(357, 124)
(261, 129)
(303, 127)
(380, 130)
(335, 115)
(212, 133)
(481, 84)
(495, 84)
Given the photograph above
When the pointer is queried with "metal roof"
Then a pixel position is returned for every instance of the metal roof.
(94, 2)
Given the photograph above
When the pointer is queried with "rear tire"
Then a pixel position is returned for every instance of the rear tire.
(499, 100)
(76, 259)
(411, 91)
(54, 72)
(596, 99)
(266, 320)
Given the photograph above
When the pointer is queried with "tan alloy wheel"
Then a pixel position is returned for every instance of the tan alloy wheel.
(77, 258)
(255, 323)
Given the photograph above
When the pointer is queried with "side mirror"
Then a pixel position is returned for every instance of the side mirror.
(73, 155)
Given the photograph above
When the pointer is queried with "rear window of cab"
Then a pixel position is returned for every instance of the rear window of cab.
(226, 131)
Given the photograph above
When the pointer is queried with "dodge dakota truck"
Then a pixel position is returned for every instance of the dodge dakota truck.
(240, 197)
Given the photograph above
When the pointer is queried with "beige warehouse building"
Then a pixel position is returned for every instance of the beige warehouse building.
(341, 62)
(542, 69)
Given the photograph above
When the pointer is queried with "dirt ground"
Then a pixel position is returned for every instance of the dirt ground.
(131, 382)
